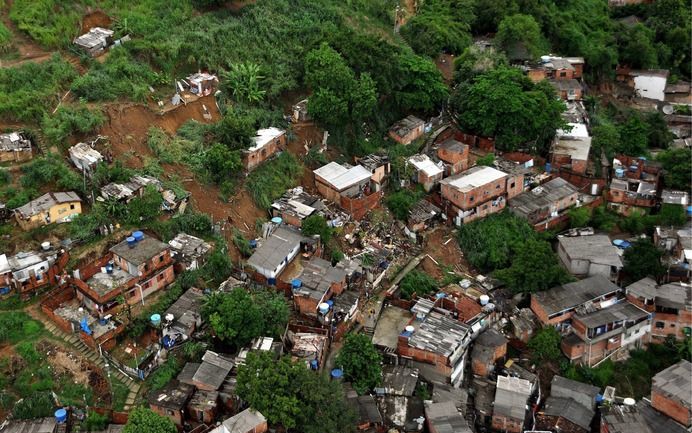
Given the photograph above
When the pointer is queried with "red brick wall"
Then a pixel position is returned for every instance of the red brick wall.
(359, 207)
(253, 159)
(573, 352)
(408, 138)
(543, 316)
(471, 199)
(673, 324)
(670, 407)
(326, 191)
(507, 424)
(176, 417)
(536, 75)
(439, 361)
(453, 157)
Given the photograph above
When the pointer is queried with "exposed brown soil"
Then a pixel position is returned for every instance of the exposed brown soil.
(441, 244)
(445, 64)
(95, 19)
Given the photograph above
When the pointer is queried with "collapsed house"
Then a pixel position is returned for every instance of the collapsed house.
(421, 216)
(189, 252)
(95, 41)
(295, 205)
(202, 83)
(14, 146)
(407, 130)
(85, 157)
(129, 190)
(52, 207)
(380, 168)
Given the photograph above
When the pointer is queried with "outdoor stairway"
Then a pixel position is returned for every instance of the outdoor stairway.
(93, 357)
(40, 142)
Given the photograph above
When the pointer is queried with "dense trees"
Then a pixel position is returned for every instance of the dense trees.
(545, 345)
(361, 362)
(643, 259)
(417, 282)
(504, 104)
(678, 168)
(534, 268)
(520, 37)
(293, 396)
(317, 225)
(239, 316)
(431, 33)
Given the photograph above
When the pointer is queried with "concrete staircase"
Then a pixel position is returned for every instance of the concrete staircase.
(94, 357)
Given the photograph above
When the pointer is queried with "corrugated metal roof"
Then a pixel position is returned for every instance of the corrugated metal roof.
(264, 136)
(47, 201)
(676, 381)
(425, 164)
(340, 177)
(571, 295)
(594, 248)
(474, 178)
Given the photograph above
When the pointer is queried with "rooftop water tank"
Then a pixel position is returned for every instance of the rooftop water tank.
(410, 329)
(253, 243)
(619, 172)
(277, 220)
(45, 246)
(324, 308)
(138, 235)
(330, 303)
(155, 319)
(629, 401)
(60, 416)
(337, 374)
(295, 284)
(545, 59)
(440, 295)
(131, 241)
(484, 299)
(314, 364)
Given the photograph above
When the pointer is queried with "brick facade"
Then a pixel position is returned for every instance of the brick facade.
(671, 407)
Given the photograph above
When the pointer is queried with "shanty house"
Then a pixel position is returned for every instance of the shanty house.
(454, 155)
(444, 417)
(545, 201)
(211, 373)
(557, 305)
(202, 407)
(608, 332)
(556, 68)
(14, 146)
(85, 157)
(589, 255)
(570, 406)
(407, 130)
(478, 192)
(351, 187)
(202, 83)
(25, 272)
(438, 340)
(247, 421)
(648, 83)
(318, 282)
(511, 401)
(185, 314)
(427, 173)
(421, 216)
(380, 168)
(266, 143)
(171, 400)
(670, 304)
(571, 149)
(188, 251)
(129, 190)
(134, 269)
(670, 392)
(295, 205)
(489, 347)
(637, 418)
(95, 41)
(52, 207)
(276, 252)
(568, 90)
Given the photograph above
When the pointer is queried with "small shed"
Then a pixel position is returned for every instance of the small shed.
(95, 41)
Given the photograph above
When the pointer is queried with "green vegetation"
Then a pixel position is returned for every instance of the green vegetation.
(677, 164)
(143, 420)
(95, 421)
(486, 160)
(434, 30)
(643, 259)
(534, 268)
(17, 326)
(545, 345)
(361, 362)
(52, 23)
(5, 39)
(317, 225)
(579, 217)
(520, 37)
(244, 80)
(291, 395)
(69, 120)
(270, 180)
(239, 316)
(400, 202)
(417, 282)
(32, 89)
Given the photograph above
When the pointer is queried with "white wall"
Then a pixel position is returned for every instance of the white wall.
(650, 86)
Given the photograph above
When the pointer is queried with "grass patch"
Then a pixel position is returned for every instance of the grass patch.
(269, 181)
(51, 23)
(16, 326)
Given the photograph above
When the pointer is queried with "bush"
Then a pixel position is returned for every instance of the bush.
(269, 181)
(50, 170)
(417, 282)
(95, 421)
(17, 326)
(400, 203)
(5, 39)
(545, 345)
(70, 120)
(37, 405)
(52, 23)
(241, 243)
(579, 217)
(317, 225)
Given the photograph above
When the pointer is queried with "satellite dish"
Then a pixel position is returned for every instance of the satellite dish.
(668, 109)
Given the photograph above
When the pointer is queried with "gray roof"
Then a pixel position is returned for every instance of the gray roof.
(594, 248)
(244, 421)
(128, 189)
(213, 370)
(317, 277)
(141, 252)
(674, 295)
(14, 141)
(542, 197)
(186, 310)
(299, 203)
(446, 418)
(572, 295)
(564, 387)
(570, 410)
(41, 425)
(189, 246)
(365, 407)
(95, 36)
(453, 145)
(624, 311)
(423, 211)
(511, 397)
(47, 201)
(399, 380)
(341, 177)
(565, 84)
(676, 381)
(174, 395)
(644, 288)
(406, 125)
(491, 338)
(275, 248)
(439, 334)
(657, 422)
(373, 161)
(625, 419)
(188, 372)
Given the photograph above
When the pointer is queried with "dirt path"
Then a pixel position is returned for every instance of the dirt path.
(27, 49)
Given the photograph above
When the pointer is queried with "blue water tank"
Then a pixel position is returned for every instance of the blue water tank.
(131, 241)
(619, 172)
(547, 167)
(60, 416)
(271, 281)
(330, 303)
(295, 284)
(440, 295)
(4, 290)
(599, 398)
(138, 235)
(314, 365)
(277, 220)
(155, 319)
(253, 243)
(337, 374)
(168, 342)
(689, 210)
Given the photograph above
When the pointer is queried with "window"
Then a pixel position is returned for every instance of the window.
(161, 258)
(146, 267)
(660, 325)
(563, 74)
(160, 277)
(71, 207)
(132, 294)
(511, 185)
(485, 207)
(497, 186)
(471, 199)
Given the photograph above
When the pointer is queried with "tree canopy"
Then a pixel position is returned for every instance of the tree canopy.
(643, 259)
(545, 345)
(534, 268)
(361, 362)
(143, 420)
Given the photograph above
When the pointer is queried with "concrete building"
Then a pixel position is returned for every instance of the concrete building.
(478, 192)
(445, 418)
(545, 202)
(557, 305)
(14, 146)
(266, 143)
(52, 207)
(427, 173)
(407, 130)
(608, 332)
(511, 402)
(319, 282)
(589, 255)
(352, 188)
(380, 168)
(488, 348)
(670, 305)
(454, 155)
(670, 392)
(571, 148)
(133, 269)
(171, 400)
(273, 255)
